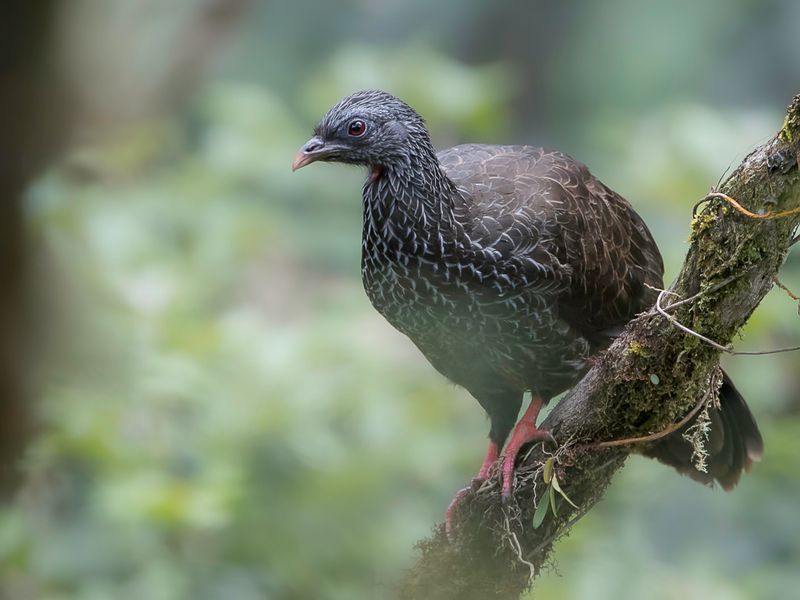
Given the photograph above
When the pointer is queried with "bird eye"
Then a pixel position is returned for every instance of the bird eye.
(357, 128)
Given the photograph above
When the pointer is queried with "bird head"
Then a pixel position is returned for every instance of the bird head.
(371, 128)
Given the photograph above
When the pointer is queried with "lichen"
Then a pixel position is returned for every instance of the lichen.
(697, 435)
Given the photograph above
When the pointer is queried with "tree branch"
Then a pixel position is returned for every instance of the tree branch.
(647, 380)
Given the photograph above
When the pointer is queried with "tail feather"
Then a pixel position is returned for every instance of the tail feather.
(733, 445)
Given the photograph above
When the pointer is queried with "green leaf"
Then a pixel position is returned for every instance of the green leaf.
(548, 470)
(541, 511)
(557, 488)
(553, 500)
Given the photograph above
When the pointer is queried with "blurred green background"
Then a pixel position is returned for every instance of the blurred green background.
(227, 417)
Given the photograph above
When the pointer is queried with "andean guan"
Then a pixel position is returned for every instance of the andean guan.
(508, 267)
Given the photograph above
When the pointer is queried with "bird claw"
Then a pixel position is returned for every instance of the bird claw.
(456, 502)
(507, 479)
(531, 434)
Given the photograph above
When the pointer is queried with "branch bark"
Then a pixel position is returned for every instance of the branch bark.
(495, 551)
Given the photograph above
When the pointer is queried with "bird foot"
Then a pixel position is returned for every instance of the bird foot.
(523, 434)
(456, 501)
(492, 452)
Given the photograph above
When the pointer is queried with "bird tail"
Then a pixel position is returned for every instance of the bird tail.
(733, 443)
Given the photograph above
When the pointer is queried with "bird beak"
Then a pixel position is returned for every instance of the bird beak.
(312, 150)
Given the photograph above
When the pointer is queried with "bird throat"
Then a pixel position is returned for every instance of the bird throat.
(408, 238)
(375, 173)
(409, 209)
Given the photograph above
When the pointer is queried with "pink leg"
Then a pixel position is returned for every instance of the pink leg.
(524, 432)
(492, 454)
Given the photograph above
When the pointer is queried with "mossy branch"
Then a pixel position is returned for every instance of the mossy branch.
(649, 378)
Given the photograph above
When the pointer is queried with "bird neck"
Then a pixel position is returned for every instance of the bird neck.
(409, 205)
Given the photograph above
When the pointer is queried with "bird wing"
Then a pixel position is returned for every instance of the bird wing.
(557, 230)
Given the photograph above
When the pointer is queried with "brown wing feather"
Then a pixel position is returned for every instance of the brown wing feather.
(546, 211)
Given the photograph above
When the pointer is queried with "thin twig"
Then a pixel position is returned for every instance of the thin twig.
(763, 352)
(794, 297)
(518, 549)
(743, 210)
(683, 327)
(673, 427)
(727, 349)
(722, 176)
(711, 290)
(780, 284)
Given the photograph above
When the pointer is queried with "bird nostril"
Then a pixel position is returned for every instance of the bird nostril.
(312, 146)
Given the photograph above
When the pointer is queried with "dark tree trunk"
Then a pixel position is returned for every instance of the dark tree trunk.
(33, 106)
(39, 108)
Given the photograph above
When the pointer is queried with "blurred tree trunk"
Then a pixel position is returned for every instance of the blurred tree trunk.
(34, 124)
(733, 259)
(52, 81)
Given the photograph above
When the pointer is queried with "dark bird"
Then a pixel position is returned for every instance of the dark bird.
(508, 267)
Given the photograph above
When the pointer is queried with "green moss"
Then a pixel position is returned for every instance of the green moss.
(635, 348)
(751, 253)
(701, 222)
(788, 131)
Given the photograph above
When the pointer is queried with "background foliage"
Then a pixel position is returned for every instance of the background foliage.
(226, 415)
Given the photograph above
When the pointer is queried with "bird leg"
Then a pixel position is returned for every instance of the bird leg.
(524, 432)
(492, 453)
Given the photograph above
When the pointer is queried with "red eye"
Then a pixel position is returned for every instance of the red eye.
(357, 128)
